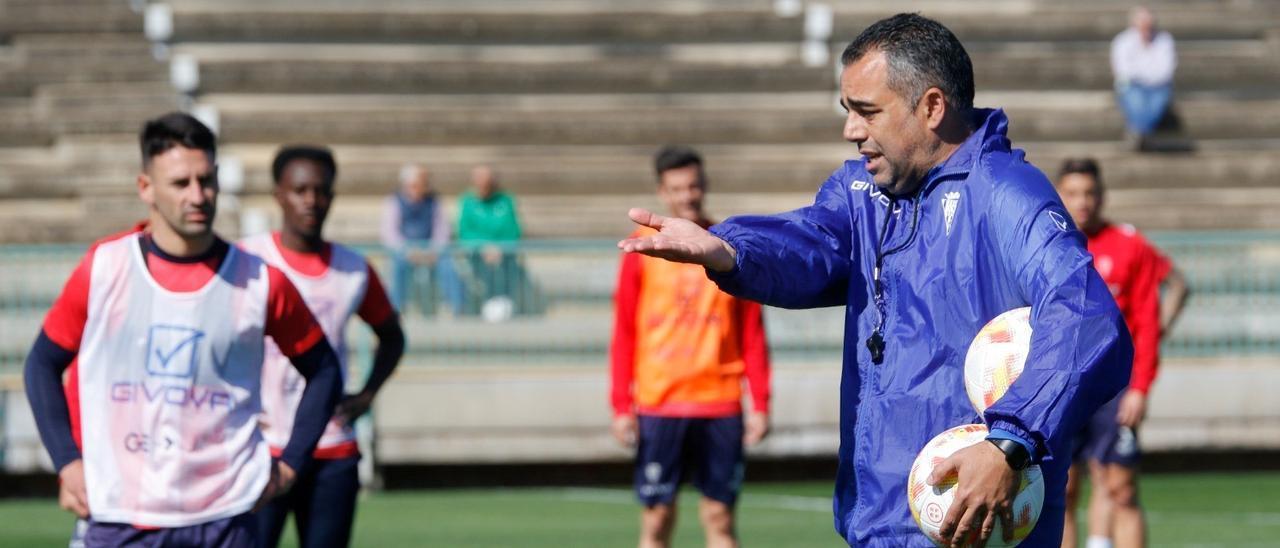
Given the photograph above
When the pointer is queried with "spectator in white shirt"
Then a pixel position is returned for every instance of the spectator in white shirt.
(1143, 60)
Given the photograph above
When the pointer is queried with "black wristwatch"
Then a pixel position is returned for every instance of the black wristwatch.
(1014, 453)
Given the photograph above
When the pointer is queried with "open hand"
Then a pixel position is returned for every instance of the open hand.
(679, 240)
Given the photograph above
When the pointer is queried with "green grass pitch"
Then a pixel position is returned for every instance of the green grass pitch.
(1185, 510)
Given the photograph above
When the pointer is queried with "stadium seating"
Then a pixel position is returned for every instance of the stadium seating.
(568, 99)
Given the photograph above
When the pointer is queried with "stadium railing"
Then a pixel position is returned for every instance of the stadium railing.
(550, 302)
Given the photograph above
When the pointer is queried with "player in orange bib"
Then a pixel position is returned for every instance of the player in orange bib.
(681, 350)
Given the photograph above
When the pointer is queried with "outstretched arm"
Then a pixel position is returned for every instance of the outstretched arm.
(798, 259)
(680, 241)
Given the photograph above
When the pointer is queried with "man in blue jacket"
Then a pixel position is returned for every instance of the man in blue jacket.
(938, 227)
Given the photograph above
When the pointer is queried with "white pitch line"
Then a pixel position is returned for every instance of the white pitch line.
(752, 500)
(788, 502)
(1183, 516)
(589, 494)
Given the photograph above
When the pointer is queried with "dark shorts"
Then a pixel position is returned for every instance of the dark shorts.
(236, 532)
(709, 451)
(1103, 440)
(323, 502)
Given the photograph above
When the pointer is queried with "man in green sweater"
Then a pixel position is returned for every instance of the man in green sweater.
(489, 228)
(486, 215)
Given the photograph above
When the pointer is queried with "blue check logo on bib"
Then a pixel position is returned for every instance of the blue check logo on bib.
(172, 350)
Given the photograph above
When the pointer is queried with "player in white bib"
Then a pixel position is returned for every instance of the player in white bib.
(337, 283)
(167, 326)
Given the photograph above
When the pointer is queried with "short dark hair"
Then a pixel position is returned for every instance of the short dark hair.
(675, 157)
(1086, 166)
(921, 54)
(176, 129)
(318, 154)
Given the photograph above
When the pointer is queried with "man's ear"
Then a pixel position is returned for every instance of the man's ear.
(277, 193)
(146, 190)
(933, 107)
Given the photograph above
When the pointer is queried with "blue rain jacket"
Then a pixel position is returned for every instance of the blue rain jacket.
(985, 233)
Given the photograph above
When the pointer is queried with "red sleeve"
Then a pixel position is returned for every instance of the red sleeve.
(755, 352)
(71, 388)
(623, 353)
(376, 308)
(64, 324)
(289, 321)
(1144, 320)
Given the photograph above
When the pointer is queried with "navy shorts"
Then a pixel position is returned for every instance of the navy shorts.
(1103, 440)
(708, 451)
(323, 502)
(235, 532)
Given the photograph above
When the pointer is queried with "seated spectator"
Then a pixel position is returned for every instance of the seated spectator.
(415, 231)
(489, 229)
(1143, 60)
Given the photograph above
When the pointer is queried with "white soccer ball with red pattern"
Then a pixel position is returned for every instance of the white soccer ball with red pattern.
(930, 503)
(996, 357)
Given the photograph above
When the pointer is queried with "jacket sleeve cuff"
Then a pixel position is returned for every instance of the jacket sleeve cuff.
(730, 276)
(1007, 435)
(1005, 430)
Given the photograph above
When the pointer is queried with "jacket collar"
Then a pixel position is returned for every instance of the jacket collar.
(991, 135)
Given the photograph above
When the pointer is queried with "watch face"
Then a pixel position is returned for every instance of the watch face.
(1019, 457)
(1021, 461)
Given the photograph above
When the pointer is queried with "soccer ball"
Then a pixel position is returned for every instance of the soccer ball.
(996, 357)
(929, 503)
(497, 309)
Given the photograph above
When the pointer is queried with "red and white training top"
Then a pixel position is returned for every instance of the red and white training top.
(336, 284)
(167, 379)
(1133, 270)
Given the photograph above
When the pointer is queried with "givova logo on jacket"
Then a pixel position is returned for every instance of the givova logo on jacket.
(875, 193)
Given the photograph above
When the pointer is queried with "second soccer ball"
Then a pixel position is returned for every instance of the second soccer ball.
(996, 357)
